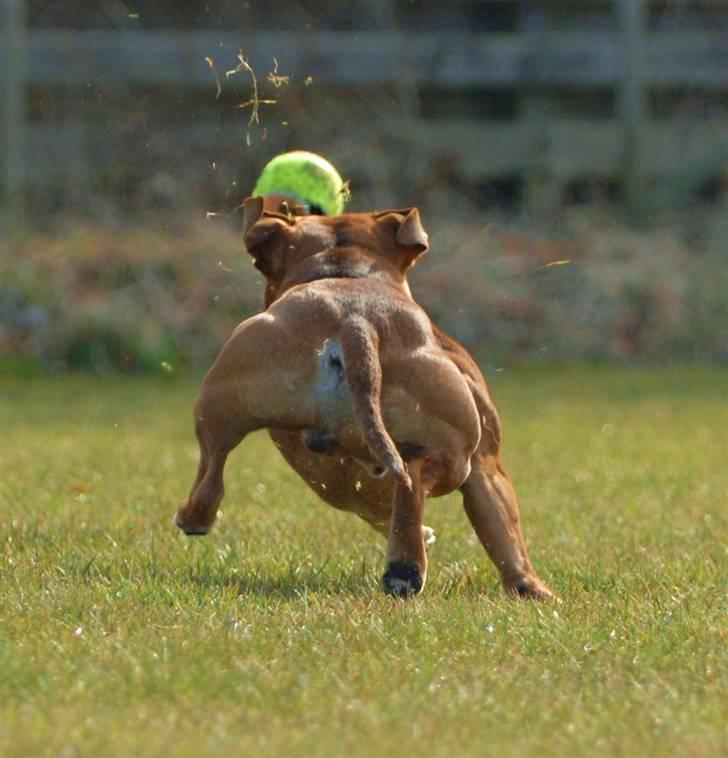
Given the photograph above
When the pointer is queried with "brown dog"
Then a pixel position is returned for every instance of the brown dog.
(373, 406)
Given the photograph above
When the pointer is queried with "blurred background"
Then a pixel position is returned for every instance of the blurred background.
(570, 158)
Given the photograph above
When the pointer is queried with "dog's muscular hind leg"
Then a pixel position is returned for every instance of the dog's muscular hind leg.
(242, 392)
(406, 552)
(492, 507)
(197, 515)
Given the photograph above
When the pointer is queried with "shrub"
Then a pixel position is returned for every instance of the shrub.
(157, 299)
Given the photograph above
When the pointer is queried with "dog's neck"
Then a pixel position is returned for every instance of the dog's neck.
(337, 263)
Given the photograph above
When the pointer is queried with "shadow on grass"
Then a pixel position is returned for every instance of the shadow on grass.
(354, 581)
(285, 580)
(294, 583)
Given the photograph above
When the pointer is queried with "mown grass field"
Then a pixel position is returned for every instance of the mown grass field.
(120, 636)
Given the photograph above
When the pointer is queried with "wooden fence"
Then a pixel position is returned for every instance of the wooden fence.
(575, 96)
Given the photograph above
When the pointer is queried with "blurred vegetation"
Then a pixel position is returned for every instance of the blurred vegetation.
(149, 298)
(133, 300)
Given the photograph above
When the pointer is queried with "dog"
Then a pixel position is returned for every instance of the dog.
(372, 405)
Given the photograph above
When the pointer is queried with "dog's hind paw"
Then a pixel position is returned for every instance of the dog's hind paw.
(191, 530)
(531, 588)
(402, 579)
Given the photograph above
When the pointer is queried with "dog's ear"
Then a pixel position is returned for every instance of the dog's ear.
(265, 235)
(252, 211)
(409, 235)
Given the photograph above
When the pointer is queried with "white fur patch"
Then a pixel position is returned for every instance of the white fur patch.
(429, 536)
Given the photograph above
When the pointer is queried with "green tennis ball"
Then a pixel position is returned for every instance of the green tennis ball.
(306, 176)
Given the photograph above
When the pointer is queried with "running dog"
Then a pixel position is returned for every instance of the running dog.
(372, 405)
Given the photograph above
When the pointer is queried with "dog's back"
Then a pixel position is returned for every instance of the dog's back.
(368, 353)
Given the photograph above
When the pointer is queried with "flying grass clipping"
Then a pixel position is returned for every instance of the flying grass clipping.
(254, 102)
(303, 175)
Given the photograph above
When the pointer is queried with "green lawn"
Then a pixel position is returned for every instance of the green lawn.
(121, 636)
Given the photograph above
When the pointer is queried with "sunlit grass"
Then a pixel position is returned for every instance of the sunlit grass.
(121, 636)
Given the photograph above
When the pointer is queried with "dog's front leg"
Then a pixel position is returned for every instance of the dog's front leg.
(492, 507)
(406, 553)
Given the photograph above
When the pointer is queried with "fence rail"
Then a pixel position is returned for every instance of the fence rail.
(540, 67)
(564, 149)
(590, 58)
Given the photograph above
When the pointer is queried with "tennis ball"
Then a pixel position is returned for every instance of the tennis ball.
(306, 176)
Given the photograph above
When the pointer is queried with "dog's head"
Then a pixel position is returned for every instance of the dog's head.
(290, 249)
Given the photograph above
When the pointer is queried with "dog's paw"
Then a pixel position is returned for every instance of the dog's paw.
(402, 579)
(531, 588)
(429, 536)
(191, 530)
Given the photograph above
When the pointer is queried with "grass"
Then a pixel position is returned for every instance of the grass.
(120, 636)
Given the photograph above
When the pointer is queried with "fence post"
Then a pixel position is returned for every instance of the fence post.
(13, 45)
(632, 103)
(541, 187)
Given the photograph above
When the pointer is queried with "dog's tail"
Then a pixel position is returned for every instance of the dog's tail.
(360, 345)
